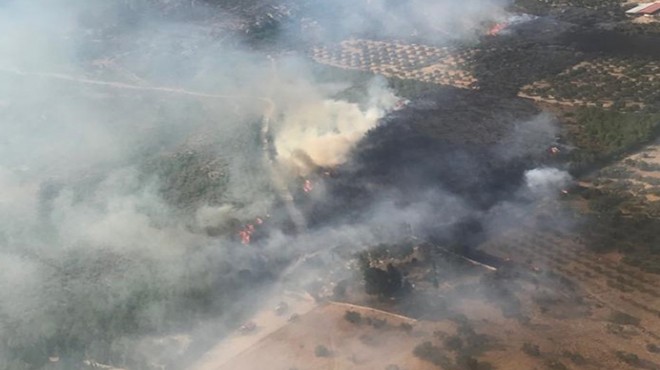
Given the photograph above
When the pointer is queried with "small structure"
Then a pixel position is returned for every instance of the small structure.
(647, 9)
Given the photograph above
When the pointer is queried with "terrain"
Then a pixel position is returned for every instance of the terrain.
(494, 203)
(581, 291)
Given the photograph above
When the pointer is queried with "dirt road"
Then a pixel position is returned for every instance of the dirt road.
(267, 322)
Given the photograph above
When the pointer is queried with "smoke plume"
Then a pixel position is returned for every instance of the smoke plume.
(142, 139)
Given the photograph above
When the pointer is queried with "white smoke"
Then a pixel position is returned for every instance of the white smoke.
(546, 181)
(324, 131)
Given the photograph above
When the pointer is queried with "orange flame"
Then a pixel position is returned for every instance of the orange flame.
(308, 186)
(497, 28)
(246, 232)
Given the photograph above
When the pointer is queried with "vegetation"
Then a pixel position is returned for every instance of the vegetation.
(384, 283)
(575, 357)
(653, 348)
(629, 358)
(353, 317)
(602, 135)
(406, 327)
(189, 178)
(544, 7)
(635, 235)
(619, 83)
(622, 318)
(555, 365)
(321, 351)
(428, 352)
(437, 65)
(453, 343)
(531, 349)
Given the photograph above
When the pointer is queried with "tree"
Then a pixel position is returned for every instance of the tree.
(386, 283)
(353, 317)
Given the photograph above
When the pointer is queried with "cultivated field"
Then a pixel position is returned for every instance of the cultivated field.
(639, 175)
(561, 331)
(603, 277)
(629, 83)
(443, 66)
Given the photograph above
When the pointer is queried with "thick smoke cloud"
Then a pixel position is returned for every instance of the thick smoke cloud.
(324, 131)
(109, 109)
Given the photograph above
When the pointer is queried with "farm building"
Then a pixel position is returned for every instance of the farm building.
(647, 9)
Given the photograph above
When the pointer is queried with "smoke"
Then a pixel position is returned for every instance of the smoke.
(427, 20)
(322, 132)
(135, 145)
(544, 181)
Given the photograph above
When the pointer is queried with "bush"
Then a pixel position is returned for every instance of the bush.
(531, 349)
(622, 318)
(467, 363)
(406, 327)
(321, 351)
(353, 317)
(453, 343)
(653, 348)
(629, 358)
(577, 358)
(378, 323)
(428, 352)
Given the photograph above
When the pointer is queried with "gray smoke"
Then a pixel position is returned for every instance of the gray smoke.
(118, 120)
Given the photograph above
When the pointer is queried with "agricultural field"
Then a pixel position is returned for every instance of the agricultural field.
(602, 278)
(424, 63)
(548, 5)
(619, 83)
(624, 208)
(480, 320)
(639, 173)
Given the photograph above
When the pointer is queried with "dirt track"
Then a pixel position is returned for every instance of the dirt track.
(267, 322)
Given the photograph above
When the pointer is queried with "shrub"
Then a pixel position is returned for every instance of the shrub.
(629, 358)
(378, 323)
(577, 358)
(453, 343)
(428, 352)
(353, 317)
(531, 349)
(321, 351)
(622, 318)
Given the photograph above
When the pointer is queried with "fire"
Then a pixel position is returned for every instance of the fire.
(308, 186)
(497, 28)
(400, 104)
(245, 234)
